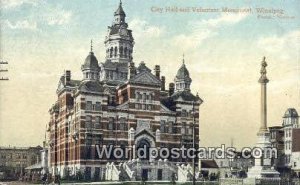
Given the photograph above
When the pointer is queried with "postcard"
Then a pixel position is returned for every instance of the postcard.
(138, 92)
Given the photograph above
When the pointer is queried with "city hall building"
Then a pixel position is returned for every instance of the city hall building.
(121, 103)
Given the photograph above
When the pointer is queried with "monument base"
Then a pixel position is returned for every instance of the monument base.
(262, 172)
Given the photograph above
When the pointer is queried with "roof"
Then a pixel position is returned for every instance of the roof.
(291, 113)
(91, 62)
(115, 30)
(209, 164)
(35, 166)
(145, 77)
(91, 86)
(142, 67)
(275, 127)
(120, 10)
(183, 73)
(184, 95)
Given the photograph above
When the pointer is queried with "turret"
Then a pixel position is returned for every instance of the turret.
(182, 79)
(291, 118)
(90, 68)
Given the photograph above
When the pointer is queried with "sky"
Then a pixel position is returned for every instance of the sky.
(223, 51)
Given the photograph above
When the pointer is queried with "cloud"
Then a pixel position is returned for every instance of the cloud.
(42, 13)
(21, 25)
(58, 17)
(7, 4)
(142, 29)
(224, 19)
(275, 43)
(204, 29)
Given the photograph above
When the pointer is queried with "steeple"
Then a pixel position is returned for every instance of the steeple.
(120, 14)
(119, 41)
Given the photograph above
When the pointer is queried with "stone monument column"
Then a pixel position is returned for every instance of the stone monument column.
(263, 80)
(262, 168)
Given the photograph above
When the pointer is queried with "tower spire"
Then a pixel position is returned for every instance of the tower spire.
(183, 58)
(91, 45)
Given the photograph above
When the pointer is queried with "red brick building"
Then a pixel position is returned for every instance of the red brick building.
(118, 103)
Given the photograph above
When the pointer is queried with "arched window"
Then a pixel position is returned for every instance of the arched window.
(125, 52)
(116, 50)
(121, 51)
(111, 52)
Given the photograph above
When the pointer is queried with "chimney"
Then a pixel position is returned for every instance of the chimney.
(131, 70)
(67, 76)
(163, 83)
(157, 71)
(171, 89)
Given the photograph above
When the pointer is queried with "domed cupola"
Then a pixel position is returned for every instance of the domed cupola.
(90, 68)
(182, 79)
(291, 117)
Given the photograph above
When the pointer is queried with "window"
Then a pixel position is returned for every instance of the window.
(88, 122)
(89, 105)
(170, 127)
(163, 126)
(111, 52)
(97, 122)
(122, 124)
(116, 50)
(111, 124)
(98, 106)
(121, 51)
(97, 140)
(183, 131)
(183, 113)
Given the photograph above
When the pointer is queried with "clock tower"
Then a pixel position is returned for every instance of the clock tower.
(119, 41)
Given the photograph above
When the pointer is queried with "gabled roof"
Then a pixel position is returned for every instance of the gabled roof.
(145, 78)
(91, 86)
(142, 67)
(144, 131)
(62, 84)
